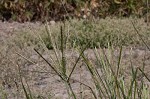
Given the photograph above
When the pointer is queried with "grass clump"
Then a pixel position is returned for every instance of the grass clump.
(109, 80)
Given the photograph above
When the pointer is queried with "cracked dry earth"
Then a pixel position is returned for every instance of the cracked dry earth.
(44, 83)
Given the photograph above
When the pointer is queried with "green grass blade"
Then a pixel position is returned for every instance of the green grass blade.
(119, 60)
(53, 44)
(49, 64)
(135, 88)
(102, 80)
(94, 75)
(63, 59)
(22, 84)
(134, 76)
(82, 51)
(140, 36)
(30, 93)
(144, 74)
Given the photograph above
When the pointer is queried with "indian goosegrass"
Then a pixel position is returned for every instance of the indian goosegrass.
(108, 77)
(109, 82)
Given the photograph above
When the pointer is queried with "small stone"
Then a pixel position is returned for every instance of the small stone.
(52, 22)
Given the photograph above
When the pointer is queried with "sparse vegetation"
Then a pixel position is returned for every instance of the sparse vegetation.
(89, 59)
(100, 33)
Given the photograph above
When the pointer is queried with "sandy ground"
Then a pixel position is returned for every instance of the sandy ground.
(47, 83)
